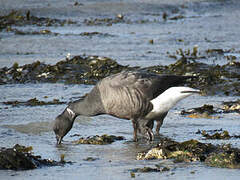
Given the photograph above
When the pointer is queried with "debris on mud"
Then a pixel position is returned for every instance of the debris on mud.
(48, 32)
(231, 106)
(216, 134)
(206, 108)
(213, 78)
(90, 159)
(209, 111)
(205, 111)
(20, 158)
(150, 169)
(203, 115)
(41, 32)
(105, 21)
(33, 102)
(17, 18)
(99, 140)
(194, 150)
(177, 17)
(224, 160)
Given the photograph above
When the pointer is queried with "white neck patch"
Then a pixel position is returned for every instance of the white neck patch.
(70, 112)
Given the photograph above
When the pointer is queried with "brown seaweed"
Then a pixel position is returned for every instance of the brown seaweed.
(33, 102)
(79, 69)
(20, 158)
(193, 150)
(99, 140)
(216, 134)
(18, 18)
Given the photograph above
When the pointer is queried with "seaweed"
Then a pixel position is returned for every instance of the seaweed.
(216, 134)
(90, 159)
(193, 150)
(79, 70)
(105, 21)
(33, 102)
(20, 158)
(209, 111)
(157, 168)
(211, 78)
(18, 18)
(231, 106)
(99, 140)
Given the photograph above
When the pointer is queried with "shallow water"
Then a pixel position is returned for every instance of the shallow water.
(30, 126)
(208, 24)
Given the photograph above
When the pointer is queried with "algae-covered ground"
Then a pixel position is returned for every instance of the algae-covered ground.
(53, 52)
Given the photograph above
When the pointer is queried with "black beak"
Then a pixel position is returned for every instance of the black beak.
(197, 92)
(59, 139)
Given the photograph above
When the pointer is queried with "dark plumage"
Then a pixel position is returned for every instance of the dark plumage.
(125, 95)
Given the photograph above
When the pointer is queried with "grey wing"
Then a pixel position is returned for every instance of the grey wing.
(142, 81)
(124, 95)
(151, 85)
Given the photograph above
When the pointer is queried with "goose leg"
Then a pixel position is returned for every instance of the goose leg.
(135, 129)
(145, 129)
(160, 122)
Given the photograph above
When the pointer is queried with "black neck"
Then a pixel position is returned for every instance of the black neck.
(91, 105)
